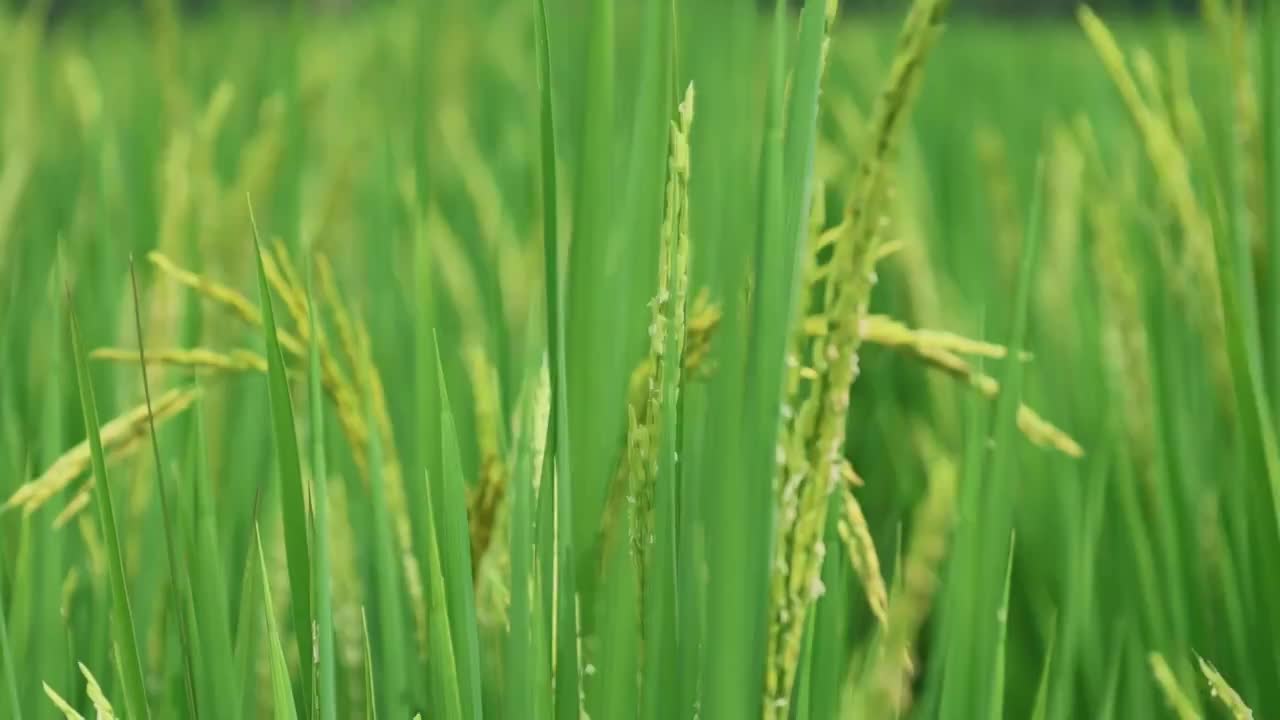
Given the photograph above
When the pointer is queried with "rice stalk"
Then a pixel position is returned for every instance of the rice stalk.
(1174, 696)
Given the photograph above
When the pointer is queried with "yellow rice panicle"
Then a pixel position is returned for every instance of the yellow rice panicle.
(810, 452)
(238, 360)
(337, 310)
(1170, 165)
(115, 434)
(217, 292)
(294, 299)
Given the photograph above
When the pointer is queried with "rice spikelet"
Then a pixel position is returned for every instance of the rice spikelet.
(68, 712)
(862, 555)
(1222, 690)
(101, 705)
(885, 685)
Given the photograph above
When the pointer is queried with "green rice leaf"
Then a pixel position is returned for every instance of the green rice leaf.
(1111, 691)
(615, 690)
(1269, 81)
(249, 621)
(292, 492)
(557, 477)
(124, 636)
(454, 542)
(281, 692)
(180, 582)
(827, 661)
(520, 646)
(1040, 709)
(370, 691)
(391, 618)
(209, 590)
(1001, 643)
(322, 572)
(6, 657)
(442, 664)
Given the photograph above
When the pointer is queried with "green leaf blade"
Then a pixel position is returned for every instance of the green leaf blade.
(322, 572)
(281, 692)
(124, 635)
(455, 554)
(293, 501)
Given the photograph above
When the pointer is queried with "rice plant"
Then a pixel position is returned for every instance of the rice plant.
(576, 358)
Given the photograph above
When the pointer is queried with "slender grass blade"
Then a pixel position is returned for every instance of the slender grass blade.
(322, 573)
(124, 636)
(179, 582)
(281, 692)
(292, 492)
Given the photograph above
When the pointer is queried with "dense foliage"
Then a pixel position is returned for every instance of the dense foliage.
(534, 358)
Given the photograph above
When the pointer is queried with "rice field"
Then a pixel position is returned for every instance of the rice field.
(572, 358)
